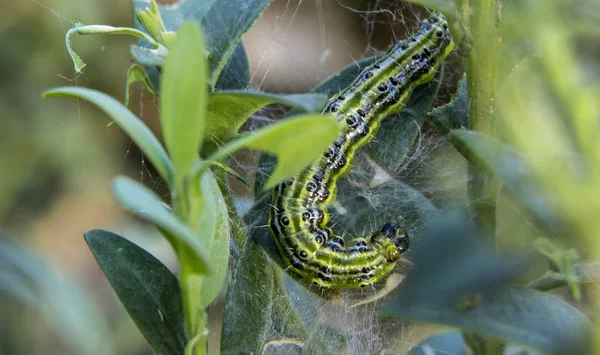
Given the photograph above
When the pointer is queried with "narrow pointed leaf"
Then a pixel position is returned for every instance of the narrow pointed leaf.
(183, 98)
(130, 123)
(146, 204)
(228, 110)
(296, 142)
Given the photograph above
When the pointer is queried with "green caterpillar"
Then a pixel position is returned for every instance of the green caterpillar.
(298, 217)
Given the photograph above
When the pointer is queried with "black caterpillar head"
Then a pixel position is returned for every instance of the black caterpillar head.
(397, 234)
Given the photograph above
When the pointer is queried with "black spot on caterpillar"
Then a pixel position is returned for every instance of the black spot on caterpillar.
(299, 219)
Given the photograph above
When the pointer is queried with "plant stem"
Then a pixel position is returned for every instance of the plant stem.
(190, 280)
(481, 73)
(195, 316)
(482, 186)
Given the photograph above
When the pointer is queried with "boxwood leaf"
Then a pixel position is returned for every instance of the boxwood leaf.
(457, 281)
(255, 294)
(296, 142)
(224, 24)
(147, 288)
(215, 232)
(455, 114)
(130, 123)
(183, 98)
(228, 110)
(236, 73)
(146, 204)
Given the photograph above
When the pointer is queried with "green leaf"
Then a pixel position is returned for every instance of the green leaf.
(184, 98)
(440, 344)
(249, 301)
(499, 158)
(453, 115)
(135, 74)
(176, 13)
(145, 204)
(232, 172)
(586, 273)
(148, 290)
(144, 57)
(254, 294)
(523, 316)
(80, 29)
(296, 142)
(236, 73)
(216, 225)
(133, 126)
(228, 110)
(457, 281)
(224, 24)
(66, 306)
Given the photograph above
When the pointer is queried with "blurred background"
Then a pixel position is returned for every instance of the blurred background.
(57, 157)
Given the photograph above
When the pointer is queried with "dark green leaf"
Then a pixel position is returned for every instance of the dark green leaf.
(228, 110)
(440, 344)
(518, 315)
(224, 24)
(183, 99)
(236, 73)
(444, 6)
(147, 289)
(146, 204)
(175, 14)
(133, 126)
(457, 281)
(253, 312)
(455, 114)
